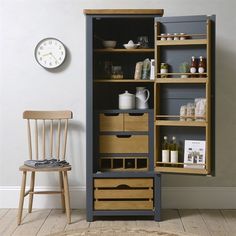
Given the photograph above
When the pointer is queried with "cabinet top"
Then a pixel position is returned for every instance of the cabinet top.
(124, 12)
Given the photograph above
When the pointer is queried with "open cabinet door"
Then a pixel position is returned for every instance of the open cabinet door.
(184, 94)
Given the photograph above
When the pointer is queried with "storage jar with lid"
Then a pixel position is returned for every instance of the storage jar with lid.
(126, 101)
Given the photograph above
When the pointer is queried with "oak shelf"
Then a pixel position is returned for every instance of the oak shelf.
(181, 80)
(122, 81)
(121, 50)
(181, 170)
(181, 42)
(181, 123)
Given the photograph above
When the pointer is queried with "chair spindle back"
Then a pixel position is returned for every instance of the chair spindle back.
(49, 122)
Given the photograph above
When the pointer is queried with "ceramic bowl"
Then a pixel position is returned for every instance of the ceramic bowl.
(109, 43)
(130, 46)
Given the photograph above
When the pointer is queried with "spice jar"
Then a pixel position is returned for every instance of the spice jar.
(176, 37)
(202, 66)
(163, 36)
(169, 37)
(182, 36)
(164, 70)
(193, 67)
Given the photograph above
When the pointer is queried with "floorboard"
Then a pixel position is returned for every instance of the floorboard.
(171, 221)
(32, 223)
(215, 222)
(193, 223)
(51, 221)
(55, 222)
(230, 218)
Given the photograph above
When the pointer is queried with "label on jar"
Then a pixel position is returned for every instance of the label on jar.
(193, 70)
(174, 156)
(165, 156)
(201, 70)
(163, 71)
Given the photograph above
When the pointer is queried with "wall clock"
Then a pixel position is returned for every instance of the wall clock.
(50, 53)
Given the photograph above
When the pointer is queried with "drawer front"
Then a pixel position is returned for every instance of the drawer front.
(111, 122)
(123, 143)
(123, 205)
(133, 183)
(136, 122)
(123, 194)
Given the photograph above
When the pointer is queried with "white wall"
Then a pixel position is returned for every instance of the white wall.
(25, 85)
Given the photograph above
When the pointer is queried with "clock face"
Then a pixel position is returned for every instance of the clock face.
(50, 53)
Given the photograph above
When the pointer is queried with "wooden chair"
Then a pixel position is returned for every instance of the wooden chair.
(50, 127)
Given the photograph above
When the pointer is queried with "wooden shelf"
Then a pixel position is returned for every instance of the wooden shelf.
(122, 81)
(121, 50)
(181, 42)
(124, 12)
(181, 80)
(181, 170)
(178, 73)
(180, 123)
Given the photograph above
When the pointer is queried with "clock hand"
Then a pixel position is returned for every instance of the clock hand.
(46, 54)
(53, 57)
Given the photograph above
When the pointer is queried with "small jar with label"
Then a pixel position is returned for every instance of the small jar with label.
(117, 72)
(193, 67)
(182, 36)
(163, 37)
(164, 70)
(176, 36)
(202, 66)
(169, 37)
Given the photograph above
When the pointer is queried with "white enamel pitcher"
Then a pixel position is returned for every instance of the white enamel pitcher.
(142, 95)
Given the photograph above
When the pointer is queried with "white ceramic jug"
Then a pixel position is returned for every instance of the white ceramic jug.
(142, 96)
(126, 101)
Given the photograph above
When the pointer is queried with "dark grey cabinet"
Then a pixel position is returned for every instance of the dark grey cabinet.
(123, 159)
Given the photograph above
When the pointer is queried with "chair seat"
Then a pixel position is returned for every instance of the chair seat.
(48, 169)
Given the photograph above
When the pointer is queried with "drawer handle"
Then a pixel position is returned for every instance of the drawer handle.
(123, 186)
(111, 114)
(136, 114)
(123, 136)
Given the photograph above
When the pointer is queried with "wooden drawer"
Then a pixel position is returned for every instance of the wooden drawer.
(114, 183)
(136, 122)
(111, 122)
(123, 194)
(123, 143)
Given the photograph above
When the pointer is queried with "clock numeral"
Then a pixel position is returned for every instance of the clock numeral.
(60, 58)
(40, 58)
(62, 52)
(50, 63)
(38, 53)
(50, 42)
(56, 62)
(41, 47)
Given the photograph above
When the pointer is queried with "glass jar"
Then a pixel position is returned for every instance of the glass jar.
(164, 70)
(117, 72)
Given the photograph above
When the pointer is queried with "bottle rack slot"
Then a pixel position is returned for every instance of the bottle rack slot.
(123, 163)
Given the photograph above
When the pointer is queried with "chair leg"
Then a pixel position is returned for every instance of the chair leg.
(22, 196)
(31, 195)
(62, 191)
(67, 197)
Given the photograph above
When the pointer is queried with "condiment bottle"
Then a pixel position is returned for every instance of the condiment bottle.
(174, 150)
(193, 67)
(201, 66)
(165, 150)
(169, 37)
(176, 36)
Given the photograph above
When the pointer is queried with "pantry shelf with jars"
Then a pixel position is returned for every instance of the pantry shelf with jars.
(183, 94)
(150, 97)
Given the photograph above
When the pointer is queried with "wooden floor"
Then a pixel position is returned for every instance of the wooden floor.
(49, 221)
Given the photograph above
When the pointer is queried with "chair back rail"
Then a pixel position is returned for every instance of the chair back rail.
(54, 123)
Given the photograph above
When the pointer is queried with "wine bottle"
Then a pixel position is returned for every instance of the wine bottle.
(165, 150)
(174, 151)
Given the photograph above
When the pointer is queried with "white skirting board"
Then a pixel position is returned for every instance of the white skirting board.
(172, 197)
